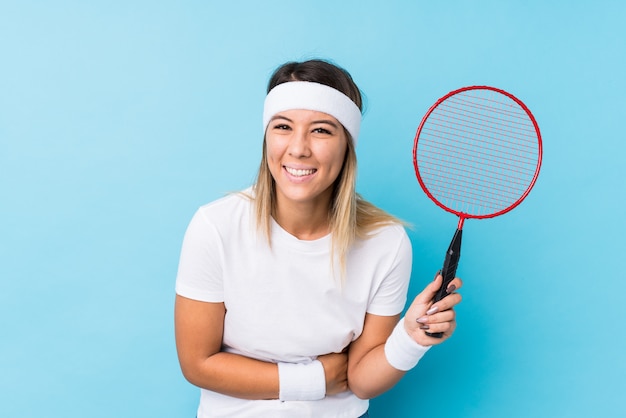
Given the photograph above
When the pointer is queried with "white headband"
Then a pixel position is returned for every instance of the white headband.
(313, 96)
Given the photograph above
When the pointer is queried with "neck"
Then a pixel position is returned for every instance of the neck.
(303, 221)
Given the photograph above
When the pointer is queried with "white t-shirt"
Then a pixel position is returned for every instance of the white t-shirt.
(284, 301)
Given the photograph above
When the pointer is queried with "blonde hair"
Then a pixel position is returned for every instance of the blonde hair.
(350, 216)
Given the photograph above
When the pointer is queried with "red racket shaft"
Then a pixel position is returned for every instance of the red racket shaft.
(448, 271)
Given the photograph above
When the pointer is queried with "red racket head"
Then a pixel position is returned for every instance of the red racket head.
(477, 152)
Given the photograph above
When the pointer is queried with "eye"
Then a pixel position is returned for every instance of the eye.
(282, 126)
(322, 131)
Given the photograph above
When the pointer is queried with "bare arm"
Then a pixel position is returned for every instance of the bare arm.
(369, 372)
(199, 332)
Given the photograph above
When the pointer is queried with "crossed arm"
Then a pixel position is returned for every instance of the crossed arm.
(199, 332)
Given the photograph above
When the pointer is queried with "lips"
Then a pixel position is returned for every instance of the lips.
(297, 172)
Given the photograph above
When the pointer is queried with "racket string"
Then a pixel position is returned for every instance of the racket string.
(516, 127)
(483, 200)
(469, 149)
(495, 137)
(477, 152)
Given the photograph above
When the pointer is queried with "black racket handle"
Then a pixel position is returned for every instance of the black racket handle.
(448, 271)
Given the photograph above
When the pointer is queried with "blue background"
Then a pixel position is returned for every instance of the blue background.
(119, 118)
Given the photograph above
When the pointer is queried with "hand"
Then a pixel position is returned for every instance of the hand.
(336, 371)
(425, 316)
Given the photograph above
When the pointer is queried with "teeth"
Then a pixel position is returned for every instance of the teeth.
(299, 173)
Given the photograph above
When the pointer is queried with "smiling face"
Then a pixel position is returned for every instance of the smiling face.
(305, 154)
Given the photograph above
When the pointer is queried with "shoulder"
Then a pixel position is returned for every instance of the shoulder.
(224, 216)
(388, 232)
(226, 206)
(388, 241)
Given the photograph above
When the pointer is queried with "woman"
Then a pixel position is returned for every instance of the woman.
(289, 294)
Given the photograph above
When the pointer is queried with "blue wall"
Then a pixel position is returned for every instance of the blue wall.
(118, 119)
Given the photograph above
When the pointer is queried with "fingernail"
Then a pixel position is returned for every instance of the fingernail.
(451, 288)
(424, 327)
(422, 320)
(437, 275)
(432, 310)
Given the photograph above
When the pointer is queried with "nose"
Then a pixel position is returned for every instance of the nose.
(299, 144)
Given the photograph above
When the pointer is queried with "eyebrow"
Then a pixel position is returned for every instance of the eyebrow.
(327, 121)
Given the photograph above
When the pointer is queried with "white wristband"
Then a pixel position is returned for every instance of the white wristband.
(402, 352)
(301, 382)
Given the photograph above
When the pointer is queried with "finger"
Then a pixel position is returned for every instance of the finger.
(444, 327)
(430, 290)
(445, 316)
(446, 303)
(454, 285)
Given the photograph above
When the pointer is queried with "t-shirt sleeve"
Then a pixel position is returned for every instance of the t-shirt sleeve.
(200, 269)
(390, 297)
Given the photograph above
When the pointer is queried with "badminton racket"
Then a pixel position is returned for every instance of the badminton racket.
(477, 154)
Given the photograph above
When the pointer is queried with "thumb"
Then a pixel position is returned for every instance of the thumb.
(429, 292)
